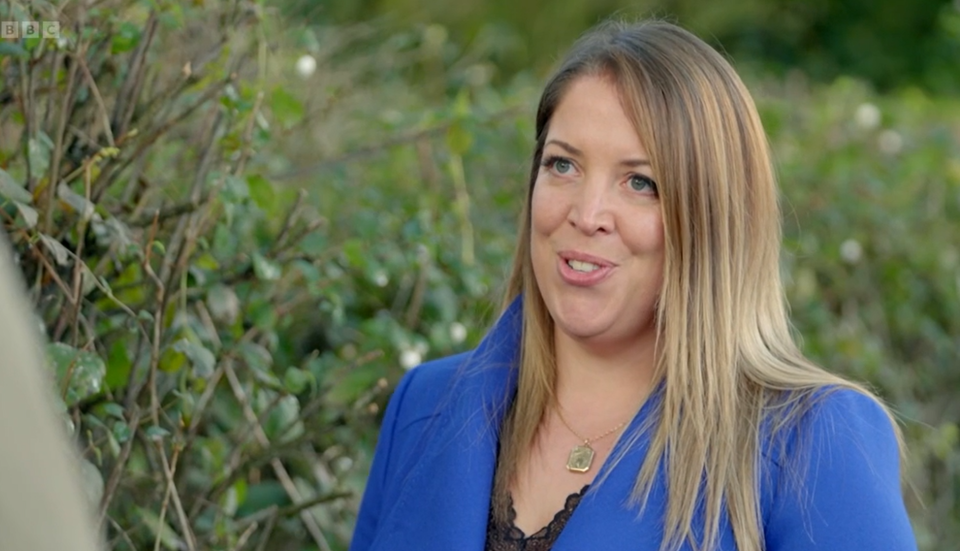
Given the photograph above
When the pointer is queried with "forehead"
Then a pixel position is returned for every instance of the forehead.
(591, 115)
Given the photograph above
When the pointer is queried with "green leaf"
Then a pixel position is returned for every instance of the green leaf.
(355, 253)
(262, 496)
(92, 420)
(296, 380)
(113, 444)
(160, 529)
(188, 404)
(310, 273)
(261, 192)
(125, 38)
(60, 253)
(229, 502)
(233, 141)
(262, 314)
(260, 361)
(458, 139)
(31, 43)
(10, 189)
(283, 424)
(80, 372)
(92, 481)
(121, 432)
(156, 433)
(265, 269)
(285, 107)
(28, 214)
(208, 262)
(114, 410)
(88, 280)
(12, 49)
(354, 384)
(78, 203)
(202, 359)
(235, 190)
(233, 497)
(172, 16)
(461, 105)
(38, 151)
(172, 360)
(223, 303)
(314, 244)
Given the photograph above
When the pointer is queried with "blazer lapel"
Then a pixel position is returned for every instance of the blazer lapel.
(445, 501)
(605, 518)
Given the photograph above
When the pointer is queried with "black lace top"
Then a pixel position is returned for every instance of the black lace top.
(507, 537)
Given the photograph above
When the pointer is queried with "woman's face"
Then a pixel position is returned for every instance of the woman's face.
(597, 230)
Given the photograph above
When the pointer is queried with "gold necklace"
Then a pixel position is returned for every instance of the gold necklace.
(581, 456)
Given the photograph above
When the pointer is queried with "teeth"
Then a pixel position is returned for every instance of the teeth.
(582, 266)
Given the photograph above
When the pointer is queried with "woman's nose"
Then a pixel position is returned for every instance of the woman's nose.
(591, 210)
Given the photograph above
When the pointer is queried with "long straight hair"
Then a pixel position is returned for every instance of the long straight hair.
(725, 353)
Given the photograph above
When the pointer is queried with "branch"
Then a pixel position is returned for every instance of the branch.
(294, 509)
(79, 58)
(122, 532)
(148, 139)
(113, 482)
(168, 472)
(248, 135)
(368, 151)
(265, 537)
(130, 91)
(58, 150)
(147, 216)
(279, 470)
(245, 536)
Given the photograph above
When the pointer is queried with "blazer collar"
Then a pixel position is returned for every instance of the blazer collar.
(446, 499)
(444, 502)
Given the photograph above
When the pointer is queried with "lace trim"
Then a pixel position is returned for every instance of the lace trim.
(508, 537)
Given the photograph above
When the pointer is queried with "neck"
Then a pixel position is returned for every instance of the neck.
(603, 383)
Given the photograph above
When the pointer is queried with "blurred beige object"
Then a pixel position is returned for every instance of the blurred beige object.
(42, 507)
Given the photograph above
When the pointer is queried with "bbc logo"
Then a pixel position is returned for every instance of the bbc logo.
(29, 29)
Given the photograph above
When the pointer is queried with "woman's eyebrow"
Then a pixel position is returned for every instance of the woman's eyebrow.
(629, 163)
(564, 145)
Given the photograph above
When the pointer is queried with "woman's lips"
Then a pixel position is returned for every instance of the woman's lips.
(583, 270)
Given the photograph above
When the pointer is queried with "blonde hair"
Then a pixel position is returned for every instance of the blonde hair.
(725, 354)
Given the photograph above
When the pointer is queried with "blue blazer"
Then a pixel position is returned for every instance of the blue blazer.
(432, 474)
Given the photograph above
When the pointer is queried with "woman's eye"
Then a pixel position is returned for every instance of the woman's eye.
(639, 182)
(562, 166)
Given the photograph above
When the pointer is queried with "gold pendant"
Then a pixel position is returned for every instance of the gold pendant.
(580, 459)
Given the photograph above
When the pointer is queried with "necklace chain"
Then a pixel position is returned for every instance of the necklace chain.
(586, 441)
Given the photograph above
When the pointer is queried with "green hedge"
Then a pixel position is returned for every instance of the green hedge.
(235, 251)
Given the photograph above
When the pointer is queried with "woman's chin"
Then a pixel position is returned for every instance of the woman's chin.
(599, 324)
(582, 326)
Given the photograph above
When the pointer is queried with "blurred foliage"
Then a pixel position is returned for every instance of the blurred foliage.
(239, 229)
(871, 189)
(889, 43)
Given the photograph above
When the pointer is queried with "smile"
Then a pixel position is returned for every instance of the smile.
(583, 270)
(585, 267)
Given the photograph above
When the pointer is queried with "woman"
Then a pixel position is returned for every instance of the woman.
(641, 390)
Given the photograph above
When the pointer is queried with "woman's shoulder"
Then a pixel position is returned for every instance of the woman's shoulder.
(434, 374)
(835, 484)
(421, 390)
(846, 411)
(830, 417)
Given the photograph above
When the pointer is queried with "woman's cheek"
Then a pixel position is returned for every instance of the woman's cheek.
(548, 206)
